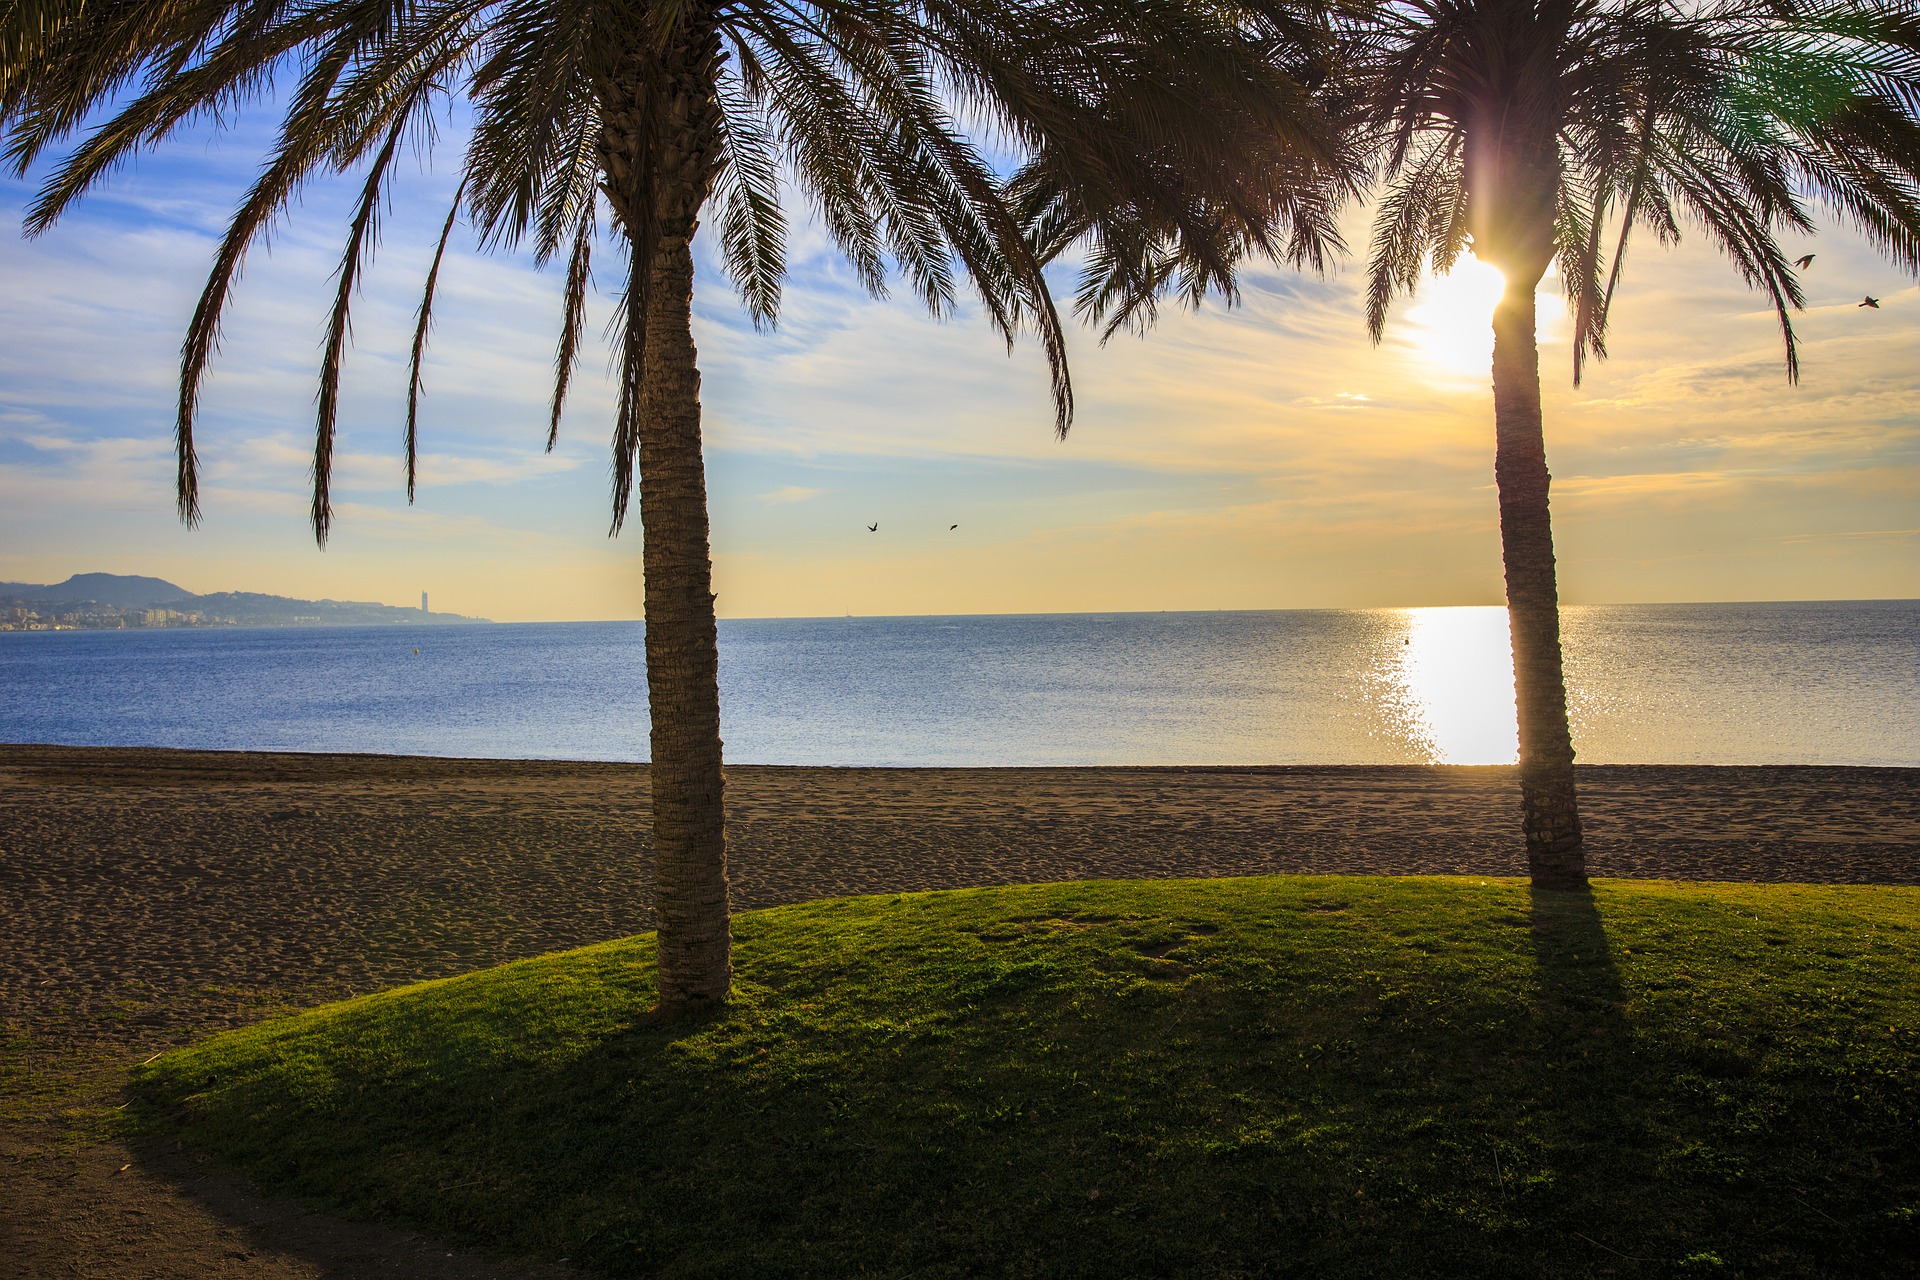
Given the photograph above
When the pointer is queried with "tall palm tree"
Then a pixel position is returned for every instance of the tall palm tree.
(635, 117)
(1549, 131)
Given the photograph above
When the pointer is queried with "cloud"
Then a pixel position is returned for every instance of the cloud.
(1872, 535)
(790, 493)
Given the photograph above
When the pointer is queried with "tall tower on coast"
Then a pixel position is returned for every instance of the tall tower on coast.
(423, 602)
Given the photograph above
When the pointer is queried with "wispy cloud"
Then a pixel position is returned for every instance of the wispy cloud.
(790, 493)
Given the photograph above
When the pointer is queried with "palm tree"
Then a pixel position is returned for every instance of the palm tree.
(1548, 131)
(1163, 114)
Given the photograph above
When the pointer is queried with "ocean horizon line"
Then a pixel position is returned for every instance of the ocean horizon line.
(26, 749)
(1016, 614)
(1370, 608)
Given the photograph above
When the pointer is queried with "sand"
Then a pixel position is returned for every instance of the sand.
(148, 896)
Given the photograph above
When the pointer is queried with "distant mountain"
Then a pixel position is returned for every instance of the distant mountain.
(123, 591)
(114, 601)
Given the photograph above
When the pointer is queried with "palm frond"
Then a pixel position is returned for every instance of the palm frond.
(753, 231)
(631, 363)
(573, 316)
(361, 234)
(1421, 218)
(423, 318)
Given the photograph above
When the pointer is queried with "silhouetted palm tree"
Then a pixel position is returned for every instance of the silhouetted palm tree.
(1548, 131)
(1165, 118)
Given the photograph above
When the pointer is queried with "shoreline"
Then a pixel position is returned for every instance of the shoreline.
(40, 756)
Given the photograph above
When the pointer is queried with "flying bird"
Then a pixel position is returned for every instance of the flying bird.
(1806, 262)
(874, 527)
(1871, 302)
(952, 527)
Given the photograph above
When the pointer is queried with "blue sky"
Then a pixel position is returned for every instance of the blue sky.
(1262, 457)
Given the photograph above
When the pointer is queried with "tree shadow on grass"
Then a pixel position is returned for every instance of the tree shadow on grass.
(1580, 990)
(1597, 1091)
(1580, 1004)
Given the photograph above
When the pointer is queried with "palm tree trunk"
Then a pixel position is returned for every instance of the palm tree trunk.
(1550, 813)
(659, 140)
(683, 655)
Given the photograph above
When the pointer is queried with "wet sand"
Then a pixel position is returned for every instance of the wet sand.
(148, 896)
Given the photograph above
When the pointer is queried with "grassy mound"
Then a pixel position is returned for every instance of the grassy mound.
(1291, 1076)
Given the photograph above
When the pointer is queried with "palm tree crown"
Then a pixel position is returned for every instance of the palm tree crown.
(1549, 130)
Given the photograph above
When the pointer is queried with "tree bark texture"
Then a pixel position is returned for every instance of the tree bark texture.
(1550, 812)
(1513, 180)
(683, 656)
(658, 146)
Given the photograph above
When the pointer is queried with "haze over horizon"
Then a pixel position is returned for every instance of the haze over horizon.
(997, 613)
(1266, 457)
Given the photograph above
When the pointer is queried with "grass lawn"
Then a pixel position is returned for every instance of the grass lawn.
(1305, 1075)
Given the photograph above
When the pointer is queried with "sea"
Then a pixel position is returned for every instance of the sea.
(1787, 683)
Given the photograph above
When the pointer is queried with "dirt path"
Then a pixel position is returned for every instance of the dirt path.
(149, 896)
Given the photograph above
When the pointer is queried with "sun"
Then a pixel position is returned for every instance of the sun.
(1450, 323)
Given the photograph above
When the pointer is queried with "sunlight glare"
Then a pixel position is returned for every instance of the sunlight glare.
(1452, 317)
(1456, 678)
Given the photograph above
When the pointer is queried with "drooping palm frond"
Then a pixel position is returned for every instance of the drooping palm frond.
(573, 318)
(631, 365)
(398, 119)
(340, 325)
(423, 321)
(1422, 218)
(753, 229)
(1167, 205)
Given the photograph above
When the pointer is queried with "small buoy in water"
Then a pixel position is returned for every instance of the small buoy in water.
(416, 651)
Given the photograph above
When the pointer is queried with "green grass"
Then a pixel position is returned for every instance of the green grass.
(1314, 1076)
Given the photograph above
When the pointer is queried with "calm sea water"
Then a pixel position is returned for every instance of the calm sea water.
(1714, 684)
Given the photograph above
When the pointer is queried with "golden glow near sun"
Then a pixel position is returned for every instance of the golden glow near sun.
(1450, 321)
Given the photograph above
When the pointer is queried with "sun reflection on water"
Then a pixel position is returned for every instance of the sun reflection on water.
(1453, 685)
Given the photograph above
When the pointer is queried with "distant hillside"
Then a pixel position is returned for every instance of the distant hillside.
(113, 601)
(122, 591)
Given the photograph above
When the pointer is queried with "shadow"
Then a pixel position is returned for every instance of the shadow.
(1580, 987)
(198, 1218)
(1592, 1085)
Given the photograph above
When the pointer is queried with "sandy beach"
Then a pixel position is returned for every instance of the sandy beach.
(149, 896)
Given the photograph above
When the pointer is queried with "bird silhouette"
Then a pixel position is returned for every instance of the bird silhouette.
(952, 527)
(1871, 302)
(1806, 262)
(874, 527)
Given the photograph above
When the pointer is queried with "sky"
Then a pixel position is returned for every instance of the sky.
(1260, 456)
